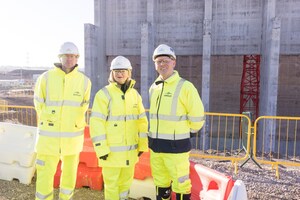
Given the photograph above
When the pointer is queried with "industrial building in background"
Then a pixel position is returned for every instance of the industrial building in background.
(213, 41)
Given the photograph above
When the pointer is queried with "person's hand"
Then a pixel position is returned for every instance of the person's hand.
(103, 157)
(140, 153)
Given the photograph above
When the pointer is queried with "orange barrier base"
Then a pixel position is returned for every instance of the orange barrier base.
(86, 177)
(142, 168)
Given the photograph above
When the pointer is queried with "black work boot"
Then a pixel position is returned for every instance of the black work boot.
(163, 193)
(180, 196)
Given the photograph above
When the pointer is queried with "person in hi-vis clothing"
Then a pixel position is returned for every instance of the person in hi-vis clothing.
(176, 114)
(61, 99)
(119, 128)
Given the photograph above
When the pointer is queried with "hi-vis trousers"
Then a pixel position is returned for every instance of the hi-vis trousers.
(117, 182)
(46, 166)
(172, 168)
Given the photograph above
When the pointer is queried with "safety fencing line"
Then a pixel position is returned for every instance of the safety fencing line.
(4, 107)
(221, 138)
(224, 136)
(25, 115)
(277, 141)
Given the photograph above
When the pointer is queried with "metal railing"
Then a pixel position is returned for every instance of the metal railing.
(221, 138)
(277, 141)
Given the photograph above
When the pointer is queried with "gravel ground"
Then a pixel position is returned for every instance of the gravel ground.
(260, 183)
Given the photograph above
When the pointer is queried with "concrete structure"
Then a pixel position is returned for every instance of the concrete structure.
(210, 38)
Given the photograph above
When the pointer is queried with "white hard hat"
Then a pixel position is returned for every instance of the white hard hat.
(120, 62)
(163, 50)
(68, 48)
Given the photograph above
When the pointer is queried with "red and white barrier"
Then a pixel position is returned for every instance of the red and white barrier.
(238, 191)
(214, 185)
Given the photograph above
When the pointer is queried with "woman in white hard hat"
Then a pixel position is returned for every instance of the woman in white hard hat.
(118, 127)
(61, 98)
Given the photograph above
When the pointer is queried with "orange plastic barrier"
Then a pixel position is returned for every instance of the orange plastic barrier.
(142, 168)
(88, 154)
(86, 176)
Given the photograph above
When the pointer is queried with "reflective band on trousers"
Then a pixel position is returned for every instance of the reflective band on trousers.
(168, 136)
(60, 134)
(66, 191)
(123, 148)
(124, 195)
(40, 196)
(183, 178)
(40, 162)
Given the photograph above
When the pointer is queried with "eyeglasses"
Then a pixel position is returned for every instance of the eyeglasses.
(162, 62)
(65, 56)
(120, 71)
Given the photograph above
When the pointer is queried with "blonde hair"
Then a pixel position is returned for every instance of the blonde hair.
(111, 76)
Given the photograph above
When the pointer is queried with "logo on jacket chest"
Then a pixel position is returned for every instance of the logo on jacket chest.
(77, 94)
(168, 94)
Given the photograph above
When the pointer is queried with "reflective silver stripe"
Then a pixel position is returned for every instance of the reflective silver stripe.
(169, 117)
(40, 196)
(123, 148)
(66, 191)
(86, 81)
(98, 138)
(47, 86)
(167, 136)
(85, 86)
(124, 195)
(122, 117)
(40, 162)
(143, 135)
(64, 103)
(142, 115)
(99, 115)
(38, 99)
(105, 91)
(151, 91)
(175, 97)
(60, 134)
(183, 179)
(196, 119)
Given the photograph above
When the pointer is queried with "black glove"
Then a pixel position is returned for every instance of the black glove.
(192, 135)
(140, 153)
(104, 157)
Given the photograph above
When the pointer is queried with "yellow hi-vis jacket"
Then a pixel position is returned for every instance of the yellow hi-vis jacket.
(175, 110)
(61, 101)
(118, 125)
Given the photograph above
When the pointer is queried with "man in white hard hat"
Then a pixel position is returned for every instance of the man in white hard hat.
(119, 129)
(61, 98)
(176, 114)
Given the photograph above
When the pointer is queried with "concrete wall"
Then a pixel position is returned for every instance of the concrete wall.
(238, 27)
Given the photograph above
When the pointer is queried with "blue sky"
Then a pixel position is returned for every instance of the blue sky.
(32, 30)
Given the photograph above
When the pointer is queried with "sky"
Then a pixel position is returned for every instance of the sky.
(32, 31)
